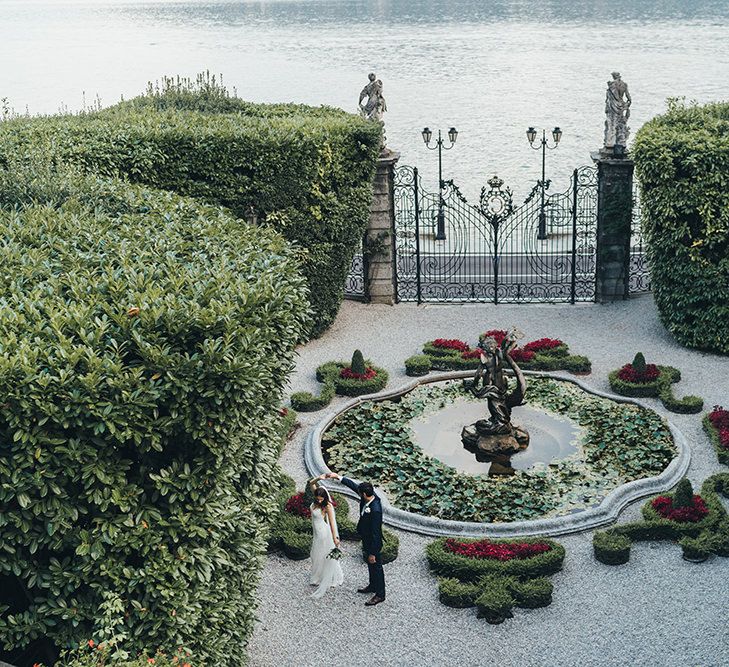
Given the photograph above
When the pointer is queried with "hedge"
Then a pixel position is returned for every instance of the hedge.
(682, 163)
(304, 171)
(722, 452)
(493, 586)
(660, 387)
(698, 540)
(144, 342)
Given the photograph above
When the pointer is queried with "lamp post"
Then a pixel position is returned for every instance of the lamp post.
(440, 145)
(532, 136)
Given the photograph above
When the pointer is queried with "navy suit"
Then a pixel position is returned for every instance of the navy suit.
(369, 528)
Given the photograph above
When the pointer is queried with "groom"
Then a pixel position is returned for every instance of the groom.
(370, 529)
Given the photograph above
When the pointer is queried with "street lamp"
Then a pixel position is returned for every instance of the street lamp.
(531, 137)
(440, 145)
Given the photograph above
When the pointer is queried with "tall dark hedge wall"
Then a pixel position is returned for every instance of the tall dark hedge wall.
(305, 171)
(137, 447)
(682, 162)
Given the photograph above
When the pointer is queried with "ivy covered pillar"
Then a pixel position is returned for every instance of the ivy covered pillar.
(378, 248)
(614, 216)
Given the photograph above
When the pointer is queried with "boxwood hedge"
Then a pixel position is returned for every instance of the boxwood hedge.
(144, 342)
(304, 171)
(682, 162)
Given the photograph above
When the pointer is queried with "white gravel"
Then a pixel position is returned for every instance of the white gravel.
(656, 611)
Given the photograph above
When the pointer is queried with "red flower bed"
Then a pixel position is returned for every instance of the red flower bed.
(497, 334)
(297, 505)
(628, 374)
(543, 344)
(497, 551)
(349, 374)
(451, 344)
(521, 355)
(695, 512)
(719, 418)
(471, 354)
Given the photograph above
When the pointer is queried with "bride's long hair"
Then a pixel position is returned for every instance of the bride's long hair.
(321, 492)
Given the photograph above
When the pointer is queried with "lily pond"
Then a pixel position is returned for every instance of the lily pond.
(582, 447)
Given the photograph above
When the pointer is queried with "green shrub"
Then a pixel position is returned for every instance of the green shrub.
(697, 549)
(660, 387)
(417, 365)
(611, 548)
(639, 365)
(329, 373)
(296, 545)
(689, 405)
(495, 603)
(454, 593)
(358, 363)
(304, 401)
(145, 342)
(682, 163)
(304, 171)
(683, 496)
(532, 593)
(574, 363)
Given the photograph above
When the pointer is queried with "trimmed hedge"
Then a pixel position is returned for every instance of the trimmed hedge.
(329, 375)
(417, 365)
(698, 540)
(494, 587)
(144, 343)
(306, 172)
(661, 388)
(682, 163)
(722, 453)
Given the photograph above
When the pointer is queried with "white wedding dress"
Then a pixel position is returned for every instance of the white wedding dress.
(325, 572)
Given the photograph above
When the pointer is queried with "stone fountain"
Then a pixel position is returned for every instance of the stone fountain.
(496, 437)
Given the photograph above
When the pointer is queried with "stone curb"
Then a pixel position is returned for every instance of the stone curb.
(605, 513)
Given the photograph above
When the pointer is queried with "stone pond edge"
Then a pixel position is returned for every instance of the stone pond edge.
(602, 515)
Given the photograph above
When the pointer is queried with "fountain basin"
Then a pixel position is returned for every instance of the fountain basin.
(410, 507)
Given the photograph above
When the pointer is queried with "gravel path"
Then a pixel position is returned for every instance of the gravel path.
(656, 611)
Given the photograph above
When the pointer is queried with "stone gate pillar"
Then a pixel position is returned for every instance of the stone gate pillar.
(380, 261)
(614, 218)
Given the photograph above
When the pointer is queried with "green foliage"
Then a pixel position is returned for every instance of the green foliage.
(144, 342)
(660, 387)
(358, 363)
(611, 548)
(684, 494)
(303, 171)
(722, 453)
(104, 654)
(698, 540)
(417, 365)
(639, 365)
(619, 443)
(494, 587)
(682, 162)
(305, 401)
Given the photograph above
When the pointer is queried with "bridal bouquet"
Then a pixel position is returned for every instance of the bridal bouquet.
(335, 553)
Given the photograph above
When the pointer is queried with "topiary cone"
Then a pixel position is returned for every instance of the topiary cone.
(639, 365)
(358, 363)
(684, 494)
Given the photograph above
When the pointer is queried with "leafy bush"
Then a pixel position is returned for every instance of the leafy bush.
(457, 594)
(305, 401)
(145, 342)
(682, 162)
(417, 365)
(698, 539)
(304, 171)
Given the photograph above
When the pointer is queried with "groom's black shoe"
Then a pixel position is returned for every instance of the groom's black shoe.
(376, 599)
(366, 589)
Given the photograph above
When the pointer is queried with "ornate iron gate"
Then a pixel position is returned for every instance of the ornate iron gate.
(492, 251)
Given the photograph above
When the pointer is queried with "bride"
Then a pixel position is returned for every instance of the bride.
(325, 572)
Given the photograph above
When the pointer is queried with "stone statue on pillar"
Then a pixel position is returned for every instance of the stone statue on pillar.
(617, 110)
(375, 106)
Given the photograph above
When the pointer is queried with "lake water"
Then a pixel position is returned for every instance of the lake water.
(488, 68)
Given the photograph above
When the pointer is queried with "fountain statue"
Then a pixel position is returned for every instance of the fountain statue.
(497, 435)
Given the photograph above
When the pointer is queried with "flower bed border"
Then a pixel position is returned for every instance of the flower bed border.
(698, 540)
(661, 388)
(605, 513)
(722, 453)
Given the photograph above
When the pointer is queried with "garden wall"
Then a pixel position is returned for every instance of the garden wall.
(144, 342)
(682, 162)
